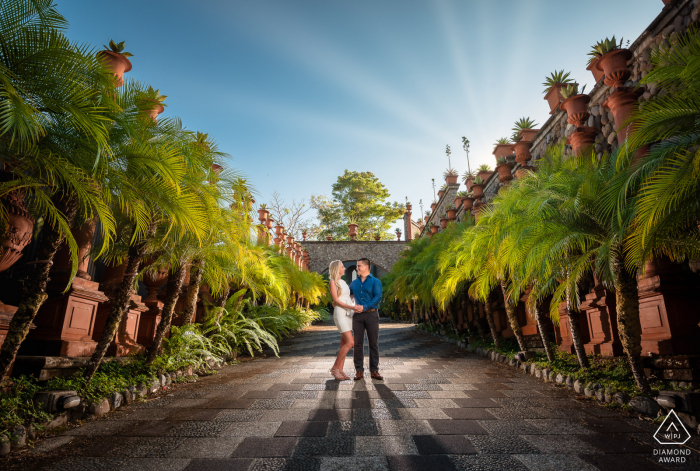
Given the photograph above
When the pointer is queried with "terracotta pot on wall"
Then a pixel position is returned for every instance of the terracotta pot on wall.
(576, 109)
(155, 111)
(451, 214)
(377, 238)
(329, 238)
(622, 103)
(451, 179)
(409, 206)
(597, 73)
(478, 190)
(443, 222)
(528, 134)
(18, 232)
(117, 63)
(458, 201)
(614, 66)
(440, 193)
(353, 231)
(503, 150)
(263, 214)
(581, 139)
(522, 151)
(433, 229)
(433, 206)
(398, 236)
(504, 172)
(425, 218)
(554, 97)
(467, 202)
(484, 175)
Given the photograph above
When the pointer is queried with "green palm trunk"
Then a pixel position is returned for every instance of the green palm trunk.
(196, 273)
(492, 325)
(544, 335)
(120, 303)
(629, 326)
(172, 293)
(576, 332)
(34, 287)
(512, 317)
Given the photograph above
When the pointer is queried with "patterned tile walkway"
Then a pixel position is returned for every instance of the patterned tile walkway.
(437, 409)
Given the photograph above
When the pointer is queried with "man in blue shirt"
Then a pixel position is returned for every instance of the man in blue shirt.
(367, 291)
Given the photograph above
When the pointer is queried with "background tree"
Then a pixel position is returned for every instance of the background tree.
(361, 198)
(291, 215)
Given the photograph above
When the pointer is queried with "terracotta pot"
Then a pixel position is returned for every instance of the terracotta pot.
(622, 103)
(155, 111)
(433, 206)
(528, 134)
(433, 229)
(425, 218)
(154, 282)
(503, 150)
(398, 236)
(469, 182)
(597, 73)
(440, 193)
(522, 151)
(443, 222)
(614, 66)
(451, 179)
(279, 230)
(484, 175)
(504, 172)
(18, 232)
(409, 206)
(262, 215)
(581, 139)
(353, 231)
(468, 203)
(268, 223)
(303, 236)
(329, 238)
(577, 110)
(116, 63)
(458, 201)
(478, 190)
(62, 263)
(554, 97)
(451, 214)
(522, 171)
(377, 238)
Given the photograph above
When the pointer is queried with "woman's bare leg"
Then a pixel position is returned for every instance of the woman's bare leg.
(346, 343)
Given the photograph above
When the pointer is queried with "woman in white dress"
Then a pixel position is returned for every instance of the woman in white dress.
(344, 304)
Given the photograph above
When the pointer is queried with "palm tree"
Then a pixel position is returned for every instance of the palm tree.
(668, 176)
(52, 124)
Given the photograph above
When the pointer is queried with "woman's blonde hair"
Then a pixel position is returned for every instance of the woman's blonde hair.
(334, 272)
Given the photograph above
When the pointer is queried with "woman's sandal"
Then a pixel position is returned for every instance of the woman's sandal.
(337, 374)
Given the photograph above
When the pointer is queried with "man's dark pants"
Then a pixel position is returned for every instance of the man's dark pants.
(366, 321)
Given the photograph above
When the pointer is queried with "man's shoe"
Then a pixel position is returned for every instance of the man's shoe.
(376, 375)
(359, 375)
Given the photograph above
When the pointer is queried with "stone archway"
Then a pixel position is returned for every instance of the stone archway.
(382, 254)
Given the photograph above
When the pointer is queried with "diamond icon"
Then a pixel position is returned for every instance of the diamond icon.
(672, 431)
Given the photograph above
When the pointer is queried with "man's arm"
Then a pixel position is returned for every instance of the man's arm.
(376, 294)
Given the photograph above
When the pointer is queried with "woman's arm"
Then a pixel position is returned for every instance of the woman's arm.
(334, 294)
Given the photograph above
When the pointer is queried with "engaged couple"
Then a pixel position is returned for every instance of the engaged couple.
(356, 311)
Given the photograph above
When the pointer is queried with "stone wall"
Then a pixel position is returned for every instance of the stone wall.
(384, 254)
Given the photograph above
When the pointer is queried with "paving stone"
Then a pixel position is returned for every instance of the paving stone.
(353, 428)
(255, 447)
(324, 446)
(546, 462)
(422, 413)
(195, 414)
(51, 444)
(488, 462)
(231, 403)
(421, 463)
(286, 387)
(560, 426)
(422, 387)
(613, 443)
(88, 464)
(443, 445)
(495, 444)
(484, 394)
(472, 413)
(355, 463)
(207, 447)
(327, 415)
(609, 425)
(456, 427)
(475, 403)
(101, 427)
(616, 462)
(219, 465)
(198, 429)
(251, 429)
(241, 415)
(267, 404)
(302, 429)
(147, 447)
(509, 427)
(559, 444)
(377, 414)
(306, 463)
(389, 445)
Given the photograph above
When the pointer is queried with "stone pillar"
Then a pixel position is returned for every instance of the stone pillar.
(601, 321)
(563, 332)
(407, 226)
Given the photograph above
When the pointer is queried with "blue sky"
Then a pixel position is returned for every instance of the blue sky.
(298, 91)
